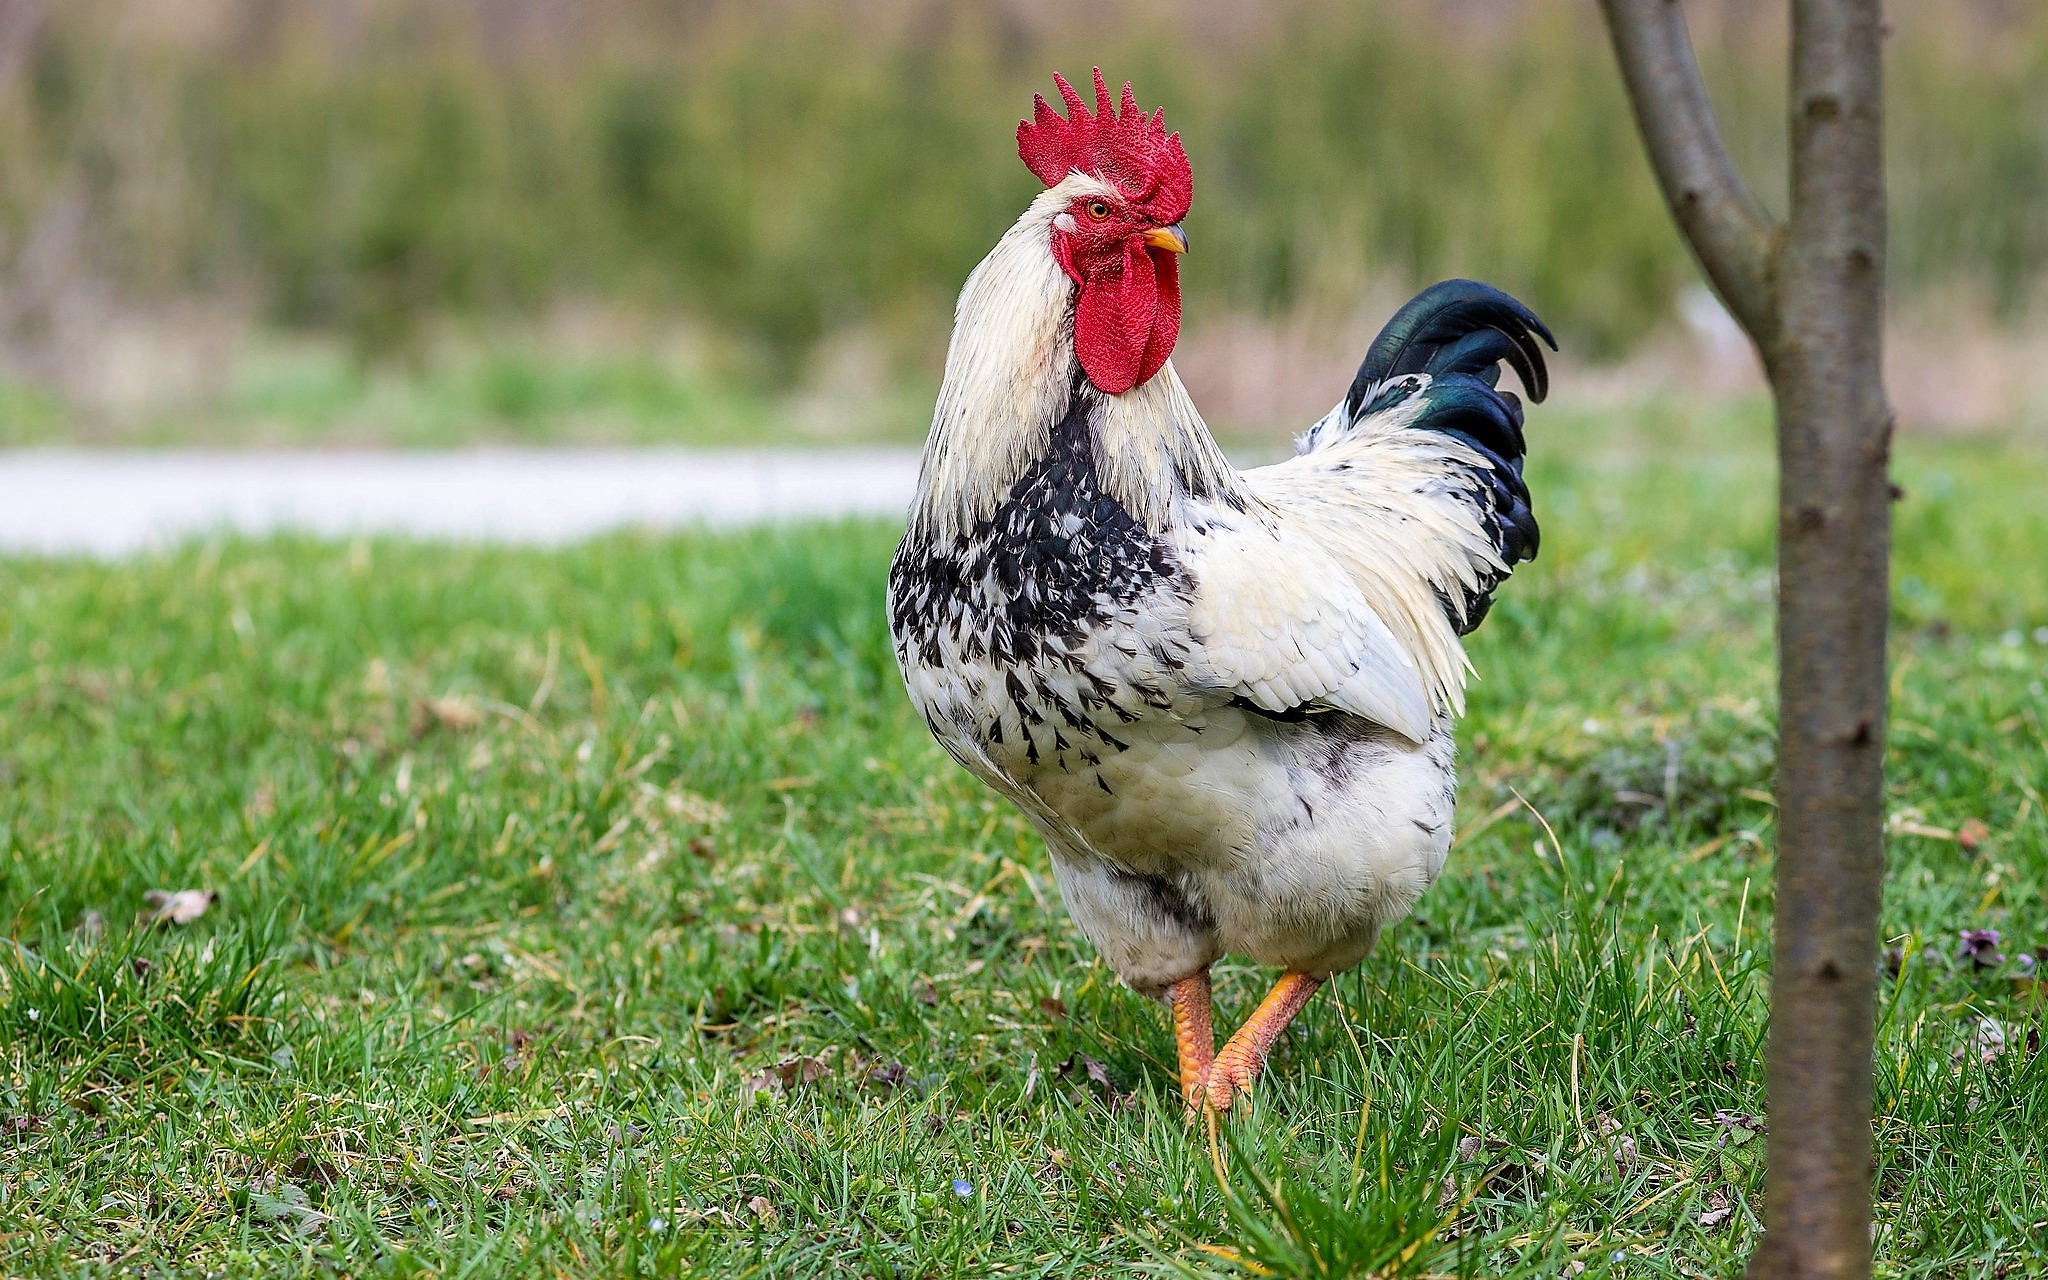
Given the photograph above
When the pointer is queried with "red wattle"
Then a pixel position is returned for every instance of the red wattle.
(1128, 318)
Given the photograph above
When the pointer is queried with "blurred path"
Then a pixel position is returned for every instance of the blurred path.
(114, 503)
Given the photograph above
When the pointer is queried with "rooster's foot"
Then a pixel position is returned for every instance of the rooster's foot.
(1194, 1040)
(1238, 1063)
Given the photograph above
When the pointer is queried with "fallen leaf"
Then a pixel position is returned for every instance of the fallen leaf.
(1097, 1074)
(689, 807)
(457, 715)
(1052, 1006)
(175, 908)
(788, 1074)
(763, 1210)
(925, 992)
(889, 1076)
(309, 1166)
(1712, 1218)
(1988, 1039)
(1621, 1148)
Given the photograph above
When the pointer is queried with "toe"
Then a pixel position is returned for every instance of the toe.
(1228, 1081)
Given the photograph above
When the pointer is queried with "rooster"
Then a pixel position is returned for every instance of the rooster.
(1223, 697)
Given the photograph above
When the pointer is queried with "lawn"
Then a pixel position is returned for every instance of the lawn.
(608, 911)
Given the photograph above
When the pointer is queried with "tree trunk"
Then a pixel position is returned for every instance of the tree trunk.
(1834, 542)
(1810, 293)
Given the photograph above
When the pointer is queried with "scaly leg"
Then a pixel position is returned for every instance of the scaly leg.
(1193, 1035)
(1238, 1062)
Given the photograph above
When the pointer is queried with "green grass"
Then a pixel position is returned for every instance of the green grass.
(607, 911)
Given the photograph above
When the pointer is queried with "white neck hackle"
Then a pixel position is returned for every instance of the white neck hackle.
(1009, 376)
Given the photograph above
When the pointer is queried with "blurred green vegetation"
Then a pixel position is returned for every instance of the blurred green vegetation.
(786, 171)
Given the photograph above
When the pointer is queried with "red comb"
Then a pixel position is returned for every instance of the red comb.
(1118, 143)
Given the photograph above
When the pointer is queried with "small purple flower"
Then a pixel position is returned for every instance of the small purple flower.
(963, 1188)
(1981, 946)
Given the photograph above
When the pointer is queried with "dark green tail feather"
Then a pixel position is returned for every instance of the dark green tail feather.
(1457, 334)
(1457, 326)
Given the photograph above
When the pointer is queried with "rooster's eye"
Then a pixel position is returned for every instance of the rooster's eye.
(1097, 209)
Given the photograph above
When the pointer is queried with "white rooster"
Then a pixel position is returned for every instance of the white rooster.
(1224, 697)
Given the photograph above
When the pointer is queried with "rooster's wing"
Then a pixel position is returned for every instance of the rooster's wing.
(1347, 580)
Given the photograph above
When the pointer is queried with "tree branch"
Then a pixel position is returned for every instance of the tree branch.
(1723, 221)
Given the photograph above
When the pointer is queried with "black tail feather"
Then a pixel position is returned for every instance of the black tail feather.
(1457, 326)
(1458, 333)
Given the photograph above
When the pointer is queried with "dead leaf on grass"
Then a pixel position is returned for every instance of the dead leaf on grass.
(179, 907)
(785, 1076)
(1621, 1148)
(312, 1167)
(457, 715)
(762, 1209)
(885, 1076)
(690, 808)
(801, 1070)
(1080, 1064)
(1718, 1210)
(1988, 1040)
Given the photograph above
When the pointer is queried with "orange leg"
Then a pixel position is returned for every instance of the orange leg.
(1237, 1063)
(1193, 1035)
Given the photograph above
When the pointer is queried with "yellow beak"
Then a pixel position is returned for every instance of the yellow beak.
(1172, 239)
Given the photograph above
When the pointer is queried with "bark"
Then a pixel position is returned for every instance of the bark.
(1725, 224)
(1810, 295)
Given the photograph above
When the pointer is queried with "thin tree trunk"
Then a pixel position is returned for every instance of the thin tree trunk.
(1810, 293)
(1834, 541)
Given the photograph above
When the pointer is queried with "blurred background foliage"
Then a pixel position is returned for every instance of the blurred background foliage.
(799, 186)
